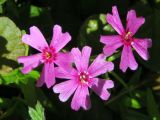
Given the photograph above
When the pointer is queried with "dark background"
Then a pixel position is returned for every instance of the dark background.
(140, 101)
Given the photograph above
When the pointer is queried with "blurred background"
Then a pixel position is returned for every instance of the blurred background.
(136, 95)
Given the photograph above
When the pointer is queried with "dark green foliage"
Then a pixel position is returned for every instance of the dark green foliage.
(136, 95)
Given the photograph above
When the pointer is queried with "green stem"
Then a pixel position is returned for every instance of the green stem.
(114, 57)
(127, 91)
(119, 79)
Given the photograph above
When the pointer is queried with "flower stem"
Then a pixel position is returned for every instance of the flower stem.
(127, 91)
(114, 57)
(115, 75)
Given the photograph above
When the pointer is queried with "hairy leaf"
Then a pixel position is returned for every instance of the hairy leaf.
(37, 113)
(11, 45)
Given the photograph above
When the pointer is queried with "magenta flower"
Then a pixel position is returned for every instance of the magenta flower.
(125, 38)
(82, 78)
(48, 54)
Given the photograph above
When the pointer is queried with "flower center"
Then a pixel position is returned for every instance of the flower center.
(49, 54)
(83, 77)
(127, 38)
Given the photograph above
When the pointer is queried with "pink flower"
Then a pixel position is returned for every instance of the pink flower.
(125, 38)
(82, 78)
(48, 54)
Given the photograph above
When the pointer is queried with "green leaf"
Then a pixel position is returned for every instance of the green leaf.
(108, 28)
(90, 32)
(2, 1)
(11, 45)
(102, 17)
(134, 115)
(37, 113)
(131, 102)
(25, 81)
(135, 104)
(29, 92)
(1, 9)
(152, 106)
(17, 77)
(35, 11)
(92, 26)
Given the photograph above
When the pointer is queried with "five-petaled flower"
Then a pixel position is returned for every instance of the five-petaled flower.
(125, 38)
(82, 78)
(48, 54)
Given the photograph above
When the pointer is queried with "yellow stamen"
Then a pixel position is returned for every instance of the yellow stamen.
(48, 55)
(127, 35)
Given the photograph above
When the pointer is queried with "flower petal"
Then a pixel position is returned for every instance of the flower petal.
(47, 75)
(112, 43)
(110, 39)
(141, 46)
(134, 22)
(81, 99)
(77, 58)
(100, 66)
(30, 62)
(109, 50)
(115, 21)
(41, 80)
(127, 59)
(62, 73)
(61, 87)
(100, 87)
(35, 39)
(59, 39)
(81, 59)
(86, 52)
(64, 60)
(68, 91)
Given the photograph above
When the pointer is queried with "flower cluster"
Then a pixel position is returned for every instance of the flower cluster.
(74, 66)
(126, 39)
